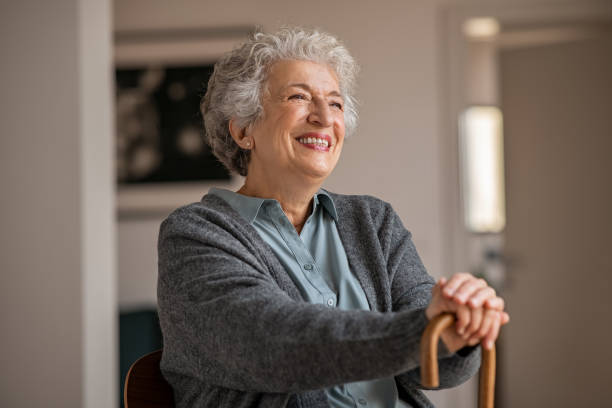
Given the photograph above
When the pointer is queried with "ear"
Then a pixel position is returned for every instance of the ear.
(239, 135)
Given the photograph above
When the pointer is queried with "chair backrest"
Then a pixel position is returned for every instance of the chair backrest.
(145, 386)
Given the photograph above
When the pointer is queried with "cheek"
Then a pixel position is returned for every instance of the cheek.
(291, 118)
(340, 128)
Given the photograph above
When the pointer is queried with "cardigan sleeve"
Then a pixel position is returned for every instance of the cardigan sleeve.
(411, 291)
(227, 323)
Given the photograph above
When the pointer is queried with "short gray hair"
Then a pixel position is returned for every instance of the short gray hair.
(236, 86)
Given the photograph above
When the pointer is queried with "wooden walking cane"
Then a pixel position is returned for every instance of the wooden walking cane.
(429, 361)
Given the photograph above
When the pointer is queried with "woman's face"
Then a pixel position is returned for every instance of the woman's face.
(300, 135)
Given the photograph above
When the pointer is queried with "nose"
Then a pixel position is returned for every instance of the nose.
(320, 113)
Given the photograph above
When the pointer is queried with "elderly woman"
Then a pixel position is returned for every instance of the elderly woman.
(283, 294)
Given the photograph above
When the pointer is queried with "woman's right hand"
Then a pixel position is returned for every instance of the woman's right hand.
(478, 310)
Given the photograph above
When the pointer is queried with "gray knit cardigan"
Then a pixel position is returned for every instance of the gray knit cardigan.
(237, 333)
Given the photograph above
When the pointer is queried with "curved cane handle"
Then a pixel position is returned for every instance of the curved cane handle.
(429, 361)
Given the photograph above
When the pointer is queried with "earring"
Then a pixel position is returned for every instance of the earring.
(248, 143)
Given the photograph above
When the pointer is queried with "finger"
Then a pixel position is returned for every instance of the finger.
(454, 283)
(437, 304)
(478, 298)
(477, 335)
(487, 321)
(491, 336)
(472, 341)
(496, 303)
(436, 289)
(505, 318)
(490, 316)
(476, 316)
(463, 319)
(467, 289)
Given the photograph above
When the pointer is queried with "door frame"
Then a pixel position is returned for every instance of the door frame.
(453, 61)
(459, 245)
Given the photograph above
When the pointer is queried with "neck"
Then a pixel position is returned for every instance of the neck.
(295, 198)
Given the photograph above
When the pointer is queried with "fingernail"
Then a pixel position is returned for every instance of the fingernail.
(489, 345)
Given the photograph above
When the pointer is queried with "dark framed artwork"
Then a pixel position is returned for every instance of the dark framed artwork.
(160, 127)
(162, 160)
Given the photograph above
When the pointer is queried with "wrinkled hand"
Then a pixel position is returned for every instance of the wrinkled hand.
(479, 311)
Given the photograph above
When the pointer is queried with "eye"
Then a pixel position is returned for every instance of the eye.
(299, 97)
(336, 105)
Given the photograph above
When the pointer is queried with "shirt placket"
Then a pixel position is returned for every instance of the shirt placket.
(305, 261)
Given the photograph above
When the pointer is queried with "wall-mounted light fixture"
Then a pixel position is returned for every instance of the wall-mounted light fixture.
(482, 168)
(481, 28)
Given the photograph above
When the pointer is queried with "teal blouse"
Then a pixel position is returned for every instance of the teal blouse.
(316, 261)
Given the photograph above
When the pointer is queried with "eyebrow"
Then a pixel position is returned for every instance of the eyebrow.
(307, 88)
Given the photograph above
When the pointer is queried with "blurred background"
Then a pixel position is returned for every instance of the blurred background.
(487, 125)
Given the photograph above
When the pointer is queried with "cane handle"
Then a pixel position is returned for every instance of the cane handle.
(429, 361)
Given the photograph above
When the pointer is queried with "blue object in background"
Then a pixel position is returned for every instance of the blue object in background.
(139, 334)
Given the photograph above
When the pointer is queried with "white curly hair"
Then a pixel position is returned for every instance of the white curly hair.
(237, 84)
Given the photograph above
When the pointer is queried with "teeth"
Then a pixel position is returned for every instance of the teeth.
(312, 140)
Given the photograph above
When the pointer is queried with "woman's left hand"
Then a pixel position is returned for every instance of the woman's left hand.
(479, 311)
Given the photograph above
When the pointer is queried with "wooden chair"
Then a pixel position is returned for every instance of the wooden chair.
(145, 387)
(429, 360)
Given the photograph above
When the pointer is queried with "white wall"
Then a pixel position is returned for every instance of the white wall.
(97, 201)
(57, 295)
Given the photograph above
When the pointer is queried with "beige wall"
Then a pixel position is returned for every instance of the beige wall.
(57, 252)
(558, 145)
(411, 88)
(395, 152)
(57, 285)
(393, 155)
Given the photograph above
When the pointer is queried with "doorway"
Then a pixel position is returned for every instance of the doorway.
(557, 103)
(553, 82)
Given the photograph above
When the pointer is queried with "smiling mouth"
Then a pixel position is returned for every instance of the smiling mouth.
(316, 141)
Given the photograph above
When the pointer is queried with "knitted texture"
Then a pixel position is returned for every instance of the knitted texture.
(238, 334)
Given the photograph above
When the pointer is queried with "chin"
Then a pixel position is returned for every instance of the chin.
(318, 173)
